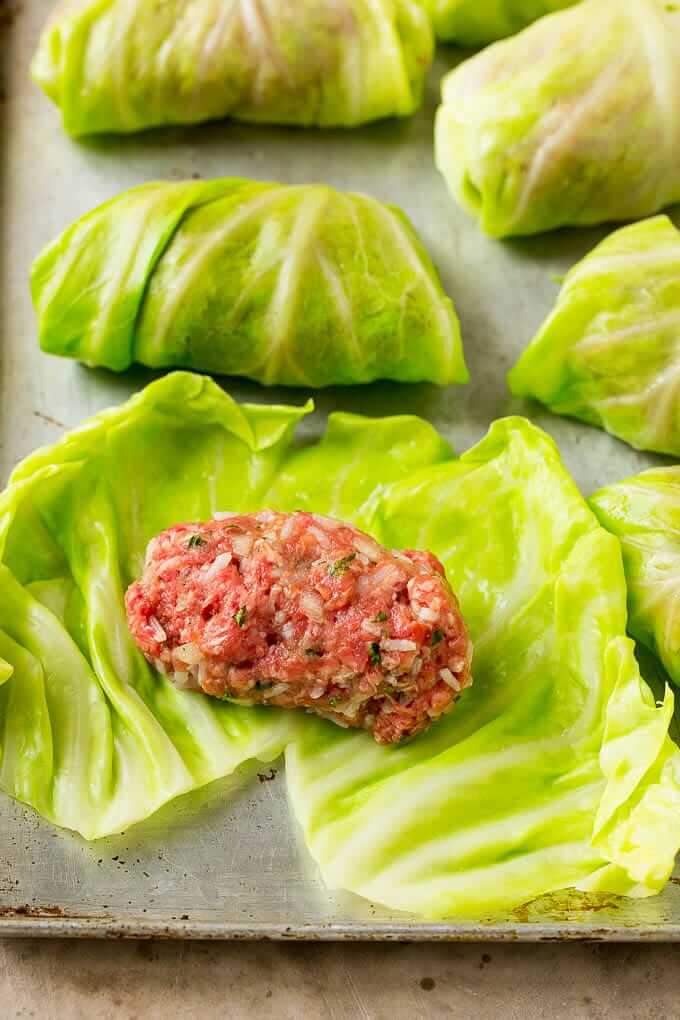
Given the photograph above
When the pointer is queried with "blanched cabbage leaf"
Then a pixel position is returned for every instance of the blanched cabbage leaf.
(125, 65)
(302, 286)
(609, 353)
(90, 736)
(574, 121)
(644, 514)
(478, 22)
(555, 769)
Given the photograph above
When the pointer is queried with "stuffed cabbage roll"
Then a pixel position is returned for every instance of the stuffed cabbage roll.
(574, 121)
(610, 352)
(125, 65)
(298, 286)
(644, 513)
(478, 22)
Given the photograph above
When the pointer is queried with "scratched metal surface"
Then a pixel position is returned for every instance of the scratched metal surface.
(227, 862)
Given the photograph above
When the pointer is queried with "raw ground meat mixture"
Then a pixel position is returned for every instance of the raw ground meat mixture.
(303, 611)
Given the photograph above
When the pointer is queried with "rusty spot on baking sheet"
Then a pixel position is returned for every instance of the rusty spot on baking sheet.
(521, 913)
(565, 906)
(47, 912)
(26, 910)
(49, 419)
(427, 984)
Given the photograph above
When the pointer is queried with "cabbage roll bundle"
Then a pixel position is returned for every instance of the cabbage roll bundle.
(124, 65)
(609, 353)
(478, 22)
(299, 286)
(574, 121)
(644, 514)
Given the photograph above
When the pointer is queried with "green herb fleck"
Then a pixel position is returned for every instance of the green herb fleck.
(381, 617)
(374, 653)
(334, 701)
(313, 651)
(195, 541)
(240, 616)
(338, 568)
(437, 636)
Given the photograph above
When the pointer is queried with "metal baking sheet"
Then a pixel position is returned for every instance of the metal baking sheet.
(227, 862)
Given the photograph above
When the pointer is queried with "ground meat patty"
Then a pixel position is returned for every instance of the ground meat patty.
(300, 610)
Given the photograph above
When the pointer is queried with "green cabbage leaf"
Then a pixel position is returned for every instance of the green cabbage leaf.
(574, 121)
(644, 514)
(478, 22)
(300, 286)
(126, 65)
(554, 770)
(609, 353)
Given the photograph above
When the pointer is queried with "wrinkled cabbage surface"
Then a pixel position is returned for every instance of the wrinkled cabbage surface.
(609, 353)
(644, 514)
(301, 286)
(478, 22)
(574, 121)
(554, 770)
(125, 65)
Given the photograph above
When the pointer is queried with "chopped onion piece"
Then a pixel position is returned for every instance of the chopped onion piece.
(287, 529)
(398, 645)
(424, 613)
(320, 536)
(373, 629)
(312, 606)
(156, 629)
(189, 653)
(242, 544)
(219, 563)
(273, 692)
(367, 547)
(183, 680)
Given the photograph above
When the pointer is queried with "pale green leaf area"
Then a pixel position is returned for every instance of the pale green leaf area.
(298, 286)
(644, 514)
(554, 770)
(479, 22)
(574, 121)
(609, 353)
(126, 65)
